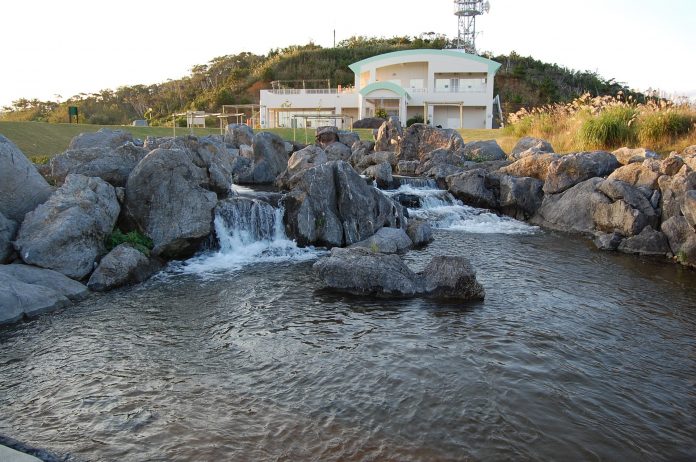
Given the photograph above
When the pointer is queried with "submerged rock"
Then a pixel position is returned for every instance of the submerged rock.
(452, 277)
(648, 242)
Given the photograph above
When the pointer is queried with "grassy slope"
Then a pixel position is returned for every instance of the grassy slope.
(39, 139)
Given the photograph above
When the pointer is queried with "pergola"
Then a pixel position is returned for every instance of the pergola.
(318, 117)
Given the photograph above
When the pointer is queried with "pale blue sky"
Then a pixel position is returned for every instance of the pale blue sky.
(51, 47)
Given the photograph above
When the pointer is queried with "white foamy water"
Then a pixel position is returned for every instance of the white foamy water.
(444, 211)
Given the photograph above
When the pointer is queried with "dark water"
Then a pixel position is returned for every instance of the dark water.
(574, 355)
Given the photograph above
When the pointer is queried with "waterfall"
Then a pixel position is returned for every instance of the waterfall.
(416, 182)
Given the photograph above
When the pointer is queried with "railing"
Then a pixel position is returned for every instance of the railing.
(470, 89)
(312, 91)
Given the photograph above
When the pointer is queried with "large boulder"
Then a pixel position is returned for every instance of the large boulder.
(359, 150)
(440, 157)
(19, 299)
(8, 230)
(482, 151)
(626, 209)
(637, 174)
(299, 162)
(111, 164)
(681, 238)
(22, 188)
(337, 151)
(68, 231)
(104, 138)
(54, 280)
(369, 122)
(452, 277)
(670, 166)
(376, 158)
(673, 189)
(387, 240)
(326, 135)
(627, 156)
(473, 187)
(123, 265)
(688, 207)
(165, 201)
(648, 242)
(420, 232)
(534, 166)
(270, 160)
(332, 205)
(239, 134)
(348, 138)
(420, 139)
(389, 135)
(572, 169)
(407, 167)
(528, 143)
(382, 174)
(570, 211)
(520, 197)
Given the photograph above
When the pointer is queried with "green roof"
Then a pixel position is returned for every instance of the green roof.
(492, 65)
(384, 86)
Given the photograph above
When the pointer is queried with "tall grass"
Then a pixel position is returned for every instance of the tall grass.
(608, 122)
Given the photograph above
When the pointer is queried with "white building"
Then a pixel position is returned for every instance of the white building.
(453, 88)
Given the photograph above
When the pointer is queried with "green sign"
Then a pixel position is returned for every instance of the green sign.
(72, 110)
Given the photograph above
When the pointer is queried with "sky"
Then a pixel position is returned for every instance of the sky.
(52, 48)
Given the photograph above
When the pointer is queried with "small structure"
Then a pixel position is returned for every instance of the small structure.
(140, 123)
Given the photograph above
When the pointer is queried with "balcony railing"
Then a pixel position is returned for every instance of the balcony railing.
(312, 91)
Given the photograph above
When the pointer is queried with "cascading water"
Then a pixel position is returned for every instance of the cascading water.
(416, 182)
(444, 211)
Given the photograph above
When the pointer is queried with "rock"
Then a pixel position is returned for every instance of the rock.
(270, 160)
(387, 240)
(68, 231)
(407, 167)
(382, 174)
(239, 134)
(627, 210)
(299, 162)
(534, 166)
(627, 156)
(8, 230)
(22, 188)
(681, 238)
(452, 277)
(440, 173)
(337, 151)
(165, 189)
(348, 138)
(112, 165)
(480, 151)
(671, 165)
(673, 189)
(53, 280)
(412, 201)
(571, 210)
(420, 139)
(529, 142)
(636, 174)
(369, 122)
(572, 169)
(420, 232)
(376, 158)
(104, 138)
(359, 150)
(326, 135)
(688, 207)
(18, 299)
(473, 188)
(608, 241)
(389, 135)
(441, 157)
(520, 197)
(648, 242)
(332, 205)
(360, 271)
(123, 265)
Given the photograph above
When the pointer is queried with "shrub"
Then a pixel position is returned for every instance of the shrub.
(659, 126)
(382, 113)
(416, 119)
(612, 127)
(134, 238)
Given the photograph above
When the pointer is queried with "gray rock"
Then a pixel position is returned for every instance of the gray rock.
(681, 238)
(571, 210)
(534, 166)
(452, 277)
(54, 280)
(337, 151)
(382, 174)
(440, 173)
(369, 122)
(326, 135)
(299, 162)
(608, 241)
(648, 242)
(673, 189)
(420, 139)
(473, 187)
(104, 138)
(22, 188)
(520, 197)
(270, 160)
(376, 158)
(348, 138)
(627, 210)
(407, 167)
(529, 142)
(387, 240)
(420, 232)
(389, 135)
(18, 299)
(360, 150)
(671, 165)
(626, 156)
(332, 205)
(68, 231)
(481, 151)
(572, 169)
(112, 165)
(239, 134)
(637, 174)
(688, 207)
(164, 190)
(123, 265)
(440, 157)
(360, 271)
(8, 230)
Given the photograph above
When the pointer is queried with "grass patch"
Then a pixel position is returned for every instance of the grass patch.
(611, 128)
(139, 241)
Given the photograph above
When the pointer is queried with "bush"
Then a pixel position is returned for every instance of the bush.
(382, 113)
(416, 119)
(134, 238)
(612, 127)
(656, 127)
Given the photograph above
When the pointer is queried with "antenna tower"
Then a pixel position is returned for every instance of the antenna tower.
(466, 12)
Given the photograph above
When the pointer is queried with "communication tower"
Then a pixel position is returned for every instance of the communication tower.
(466, 12)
